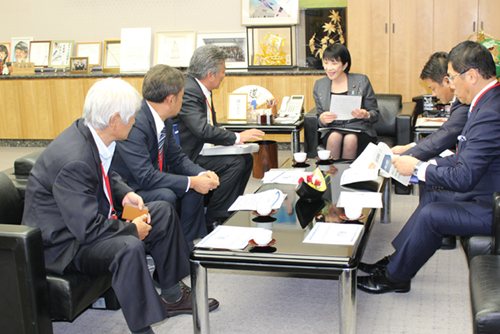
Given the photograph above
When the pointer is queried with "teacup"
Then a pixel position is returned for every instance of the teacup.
(263, 237)
(353, 212)
(300, 157)
(324, 154)
(264, 208)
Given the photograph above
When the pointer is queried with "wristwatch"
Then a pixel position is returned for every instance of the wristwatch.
(417, 166)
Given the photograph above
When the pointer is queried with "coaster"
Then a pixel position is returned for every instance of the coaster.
(251, 242)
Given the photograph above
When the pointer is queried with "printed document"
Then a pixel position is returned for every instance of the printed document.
(229, 237)
(284, 176)
(334, 234)
(343, 105)
(364, 199)
(249, 202)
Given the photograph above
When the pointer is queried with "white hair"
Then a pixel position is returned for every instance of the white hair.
(108, 97)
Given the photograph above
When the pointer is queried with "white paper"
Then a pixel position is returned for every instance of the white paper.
(209, 149)
(334, 234)
(364, 199)
(446, 153)
(229, 237)
(284, 176)
(135, 50)
(353, 175)
(430, 122)
(343, 105)
(249, 202)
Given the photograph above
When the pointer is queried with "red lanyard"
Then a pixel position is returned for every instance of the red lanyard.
(108, 188)
(480, 96)
(160, 159)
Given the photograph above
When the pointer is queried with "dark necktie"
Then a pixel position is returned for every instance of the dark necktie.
(161, 142)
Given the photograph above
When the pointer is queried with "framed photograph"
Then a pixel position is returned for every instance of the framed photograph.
(5, 51)
(270, 47)
(237, 107)
(40, 53)
(269, 12)
(112, 56)
(174, 48)
(92, 50)
(235, 45)
(61, 53)
(79, 65)
(21, 49)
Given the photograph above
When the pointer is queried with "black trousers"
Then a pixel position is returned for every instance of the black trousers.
(125, 258)
(234, 172)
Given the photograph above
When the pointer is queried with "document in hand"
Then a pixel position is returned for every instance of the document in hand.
(380, 157)
(343, 105)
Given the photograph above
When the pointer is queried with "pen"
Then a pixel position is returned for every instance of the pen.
(277, 176)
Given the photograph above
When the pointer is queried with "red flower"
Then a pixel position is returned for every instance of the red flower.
(309, 178)
(317, 183)
(301, 180)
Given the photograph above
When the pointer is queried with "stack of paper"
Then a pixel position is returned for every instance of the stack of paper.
(249, 202)
(229, 237)
(284, 176)
(334, 234)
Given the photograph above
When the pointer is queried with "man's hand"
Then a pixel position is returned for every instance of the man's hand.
(212, 175)
(405, 164)
(327, 117)
(252, 134)
(142, 225)
(203, 183)
(400, 149)
(360, 113)
(133, 198)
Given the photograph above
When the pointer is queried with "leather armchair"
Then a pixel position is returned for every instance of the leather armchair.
(30, 297)
(484, 273)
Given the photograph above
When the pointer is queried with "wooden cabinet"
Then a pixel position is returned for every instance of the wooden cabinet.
(390, 41)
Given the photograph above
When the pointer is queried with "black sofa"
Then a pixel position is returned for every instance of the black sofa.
(30, 297)
(484, 276)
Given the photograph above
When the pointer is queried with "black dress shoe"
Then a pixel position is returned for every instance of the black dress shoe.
(382, 282)
(185, 304)
(213, 225)
(448, 242)
(373, 268)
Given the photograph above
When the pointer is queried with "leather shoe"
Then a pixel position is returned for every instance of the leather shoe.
(448, 242)
(213, 225)
(382, 282)
(373, 268)
(185, 304)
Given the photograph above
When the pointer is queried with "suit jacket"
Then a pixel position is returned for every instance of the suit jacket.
(136, 159)
(474, 172)
(194, 130)
(444, 138)
(65, 197)
(357, 84)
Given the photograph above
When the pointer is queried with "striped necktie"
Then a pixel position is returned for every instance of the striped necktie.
(161, 142)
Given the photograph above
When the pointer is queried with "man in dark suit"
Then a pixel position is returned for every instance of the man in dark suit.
(458, 198)
(153, 164)
(197, 125)
(75, 199)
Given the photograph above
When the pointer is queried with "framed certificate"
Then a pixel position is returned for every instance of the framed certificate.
(237, 107)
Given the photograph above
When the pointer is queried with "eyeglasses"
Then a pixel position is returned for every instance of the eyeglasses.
(450, 79)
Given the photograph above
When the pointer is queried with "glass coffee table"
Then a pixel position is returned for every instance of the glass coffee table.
(290, 254)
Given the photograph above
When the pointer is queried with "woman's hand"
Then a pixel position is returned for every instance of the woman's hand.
(360, 113)
(327, 117)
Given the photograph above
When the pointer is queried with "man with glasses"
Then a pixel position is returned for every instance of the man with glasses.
(459, 189)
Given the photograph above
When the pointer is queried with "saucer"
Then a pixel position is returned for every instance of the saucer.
(264, 219)
(300, 163)
(344, 217)
(270, 214)
(251, 242)
(328, 161)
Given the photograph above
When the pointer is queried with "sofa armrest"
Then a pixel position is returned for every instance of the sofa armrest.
(311, 133)
(404, 123)
(475, 245)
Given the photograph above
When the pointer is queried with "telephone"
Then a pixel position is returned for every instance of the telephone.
(290, 109)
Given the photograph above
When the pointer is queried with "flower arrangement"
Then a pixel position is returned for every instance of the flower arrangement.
(312, 187)
(334, 34)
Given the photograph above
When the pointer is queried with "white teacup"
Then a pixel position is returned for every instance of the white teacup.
(263, 237)
(324, 154)
(300, 156)
(264, 208)
(353, 212)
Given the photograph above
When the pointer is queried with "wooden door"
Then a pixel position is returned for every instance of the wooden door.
(368, 40)
(488, 19)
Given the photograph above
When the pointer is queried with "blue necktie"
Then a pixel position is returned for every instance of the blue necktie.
(161, 141)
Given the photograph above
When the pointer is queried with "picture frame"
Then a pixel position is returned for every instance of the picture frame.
(271, 46)
(22, 44)
(269, 12)
(40, 53)
(61, 53)
(79, 65)
(237, 110)
(6, 50)
(234, 44)
(92, 50)
(112, 56)
(174, 48)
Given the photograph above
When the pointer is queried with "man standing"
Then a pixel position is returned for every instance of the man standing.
(459, 189)
(75, 199)
(151, 161)
(197, 125)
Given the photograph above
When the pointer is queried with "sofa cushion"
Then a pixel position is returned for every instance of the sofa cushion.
(11, 202)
